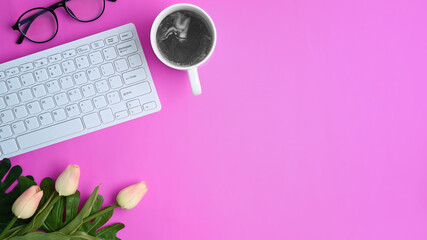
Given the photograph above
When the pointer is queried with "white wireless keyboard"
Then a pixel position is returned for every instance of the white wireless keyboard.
(74, 89)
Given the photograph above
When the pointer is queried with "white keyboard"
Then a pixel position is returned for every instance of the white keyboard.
(74, 89)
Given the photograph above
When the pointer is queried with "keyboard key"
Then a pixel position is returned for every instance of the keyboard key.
(115, 82)
(88, 90)
(2, 75)
(39, 91)
(50, 133)
(86, 106)
(68, 66)
(54, 71)
(127, 48)
(133, 103)
(27, 79)
(55, 58)
(72, 110)
(5, 132)
(66, 82)
(12, 71)
(95, 58)
(53, 86)
(91, 120)
(34, 107)
(41, 75)
(83, 49)
(9, 146)
(7, 116)
(94, 74)
(13, 83)
(32, 123)
(107, 69)
(18, 127)
(47, 103)
(109, 53)
(59, 114)
(97, 44)
(100, 102)
(135, 110)
(135, 60)
(134, 76)
(102, 86)
(106, 115)
(69, 53)
(20, 112)
(126, 35)
(26, 67)
(61, 99)
(113, 98)
(2, 103)
(12, 99)
(74, 95)
(3, 88)
(122, 114)
(135, 91)
(45, 119)
(112, 40)
(121, 65)
(82, 62)
(40, 62)
(149, 106)
(25, 95)
(80, 78)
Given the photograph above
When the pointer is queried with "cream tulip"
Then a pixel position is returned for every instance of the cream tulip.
(68, 181)
(129, 197)
(26, 205)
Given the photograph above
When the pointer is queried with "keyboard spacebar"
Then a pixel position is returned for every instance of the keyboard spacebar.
(50, 133)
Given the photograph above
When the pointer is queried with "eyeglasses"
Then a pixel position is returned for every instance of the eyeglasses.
(40, 25)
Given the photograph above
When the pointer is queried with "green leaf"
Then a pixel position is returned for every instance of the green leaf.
(110, 232)
(75, 224)
(55, 220)
(8, 176)
(48, 187)
(55, 236)
(93, 226)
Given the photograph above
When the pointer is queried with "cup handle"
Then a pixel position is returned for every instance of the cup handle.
(194, 81)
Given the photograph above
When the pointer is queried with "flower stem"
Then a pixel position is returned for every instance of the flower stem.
(102, 212)
(8, 227)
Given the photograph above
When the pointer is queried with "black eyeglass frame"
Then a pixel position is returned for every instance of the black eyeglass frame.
(50, 9)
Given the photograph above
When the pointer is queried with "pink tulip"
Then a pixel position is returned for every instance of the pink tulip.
(26, 205)
(68, 181)
(129, 197)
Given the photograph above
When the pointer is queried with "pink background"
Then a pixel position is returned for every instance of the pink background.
(312, 124)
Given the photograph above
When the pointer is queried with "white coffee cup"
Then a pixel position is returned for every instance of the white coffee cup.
(192, 70)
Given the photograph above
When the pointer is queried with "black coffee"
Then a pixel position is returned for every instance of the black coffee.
(184, 38)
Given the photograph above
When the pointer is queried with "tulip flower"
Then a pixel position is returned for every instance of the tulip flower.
(129, 197)
(26, 205)
(68, 181)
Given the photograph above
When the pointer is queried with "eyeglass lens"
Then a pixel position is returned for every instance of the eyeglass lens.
(85, 10)
(38, 25)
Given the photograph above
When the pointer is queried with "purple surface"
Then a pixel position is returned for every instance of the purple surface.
(311, 125)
